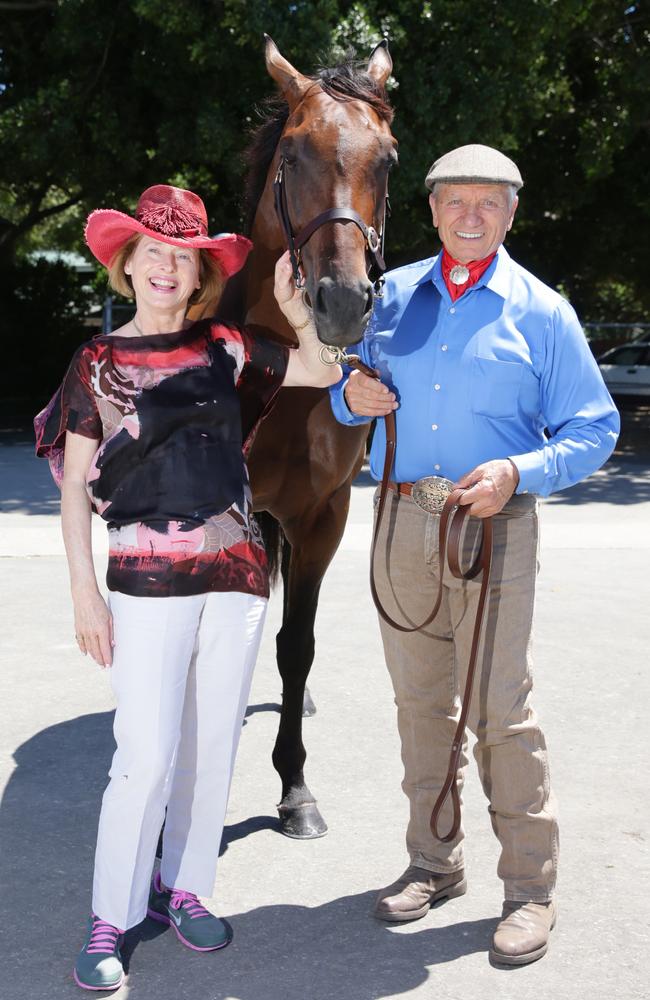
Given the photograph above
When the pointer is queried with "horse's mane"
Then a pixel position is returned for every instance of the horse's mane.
(347, 81)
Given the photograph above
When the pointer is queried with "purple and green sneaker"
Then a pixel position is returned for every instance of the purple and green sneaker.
(195, 926)
(99, 965)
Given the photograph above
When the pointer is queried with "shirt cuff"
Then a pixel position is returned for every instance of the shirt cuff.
(531, 472)
(340, 408)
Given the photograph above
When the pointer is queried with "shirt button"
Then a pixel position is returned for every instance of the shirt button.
(434, 427)
(452, 310)
(436, 387)
(444, 347)
(437, 468)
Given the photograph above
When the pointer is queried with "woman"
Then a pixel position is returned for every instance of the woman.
(146, 429)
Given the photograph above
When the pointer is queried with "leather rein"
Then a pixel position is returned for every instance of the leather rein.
(452, 515)
(295, 241)
(452, 519)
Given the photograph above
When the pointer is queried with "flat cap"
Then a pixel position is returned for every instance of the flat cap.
(474, 164)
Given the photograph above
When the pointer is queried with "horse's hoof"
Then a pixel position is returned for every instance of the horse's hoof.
(302, 822)
(308, 706)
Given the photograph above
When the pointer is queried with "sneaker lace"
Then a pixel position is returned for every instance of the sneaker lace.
(190, 902)
(103, 937)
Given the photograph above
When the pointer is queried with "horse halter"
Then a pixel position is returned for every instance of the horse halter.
(374, 240)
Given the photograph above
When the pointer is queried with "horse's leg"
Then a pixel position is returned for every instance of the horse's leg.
(312, 549)
(299, 814)
(308, 706)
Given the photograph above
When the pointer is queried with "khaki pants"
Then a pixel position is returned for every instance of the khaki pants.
(428, 670)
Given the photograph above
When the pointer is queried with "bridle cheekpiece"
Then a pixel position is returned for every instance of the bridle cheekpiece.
(295, 242)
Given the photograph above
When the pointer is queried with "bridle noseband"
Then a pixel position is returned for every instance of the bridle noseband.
(374, 240)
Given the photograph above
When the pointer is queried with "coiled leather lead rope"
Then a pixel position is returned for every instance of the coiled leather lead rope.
(452, 519)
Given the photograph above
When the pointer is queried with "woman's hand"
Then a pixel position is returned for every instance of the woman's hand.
(93, 626)
(305, 366)
(288, 297)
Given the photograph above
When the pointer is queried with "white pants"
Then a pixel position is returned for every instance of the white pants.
(181, 674)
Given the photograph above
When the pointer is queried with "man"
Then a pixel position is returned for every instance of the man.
(495, 388)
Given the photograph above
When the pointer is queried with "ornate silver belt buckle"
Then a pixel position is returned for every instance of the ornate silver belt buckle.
(431, 492)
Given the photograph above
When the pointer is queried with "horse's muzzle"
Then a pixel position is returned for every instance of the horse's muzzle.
(341, 311)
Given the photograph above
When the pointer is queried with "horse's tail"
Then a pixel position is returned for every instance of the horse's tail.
(275, 543)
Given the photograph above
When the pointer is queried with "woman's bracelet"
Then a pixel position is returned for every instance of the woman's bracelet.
(303, 325)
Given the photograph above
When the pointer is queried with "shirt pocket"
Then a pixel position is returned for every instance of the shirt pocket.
(495, 387)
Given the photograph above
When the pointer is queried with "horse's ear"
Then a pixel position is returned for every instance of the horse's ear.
(292, 83)
(380, 63)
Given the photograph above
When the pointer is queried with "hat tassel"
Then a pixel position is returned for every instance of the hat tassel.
(171, 221)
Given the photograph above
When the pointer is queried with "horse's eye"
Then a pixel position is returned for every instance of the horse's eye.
(290, 160)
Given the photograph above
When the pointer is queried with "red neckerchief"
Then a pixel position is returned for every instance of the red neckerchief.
(475, 268)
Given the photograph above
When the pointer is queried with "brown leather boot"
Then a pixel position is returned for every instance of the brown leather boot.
(414, 892)
(522, 934)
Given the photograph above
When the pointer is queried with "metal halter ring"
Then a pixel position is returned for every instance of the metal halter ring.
(372, 239)
(332, 355)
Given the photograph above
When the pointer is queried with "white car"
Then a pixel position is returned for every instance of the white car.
(626, 369)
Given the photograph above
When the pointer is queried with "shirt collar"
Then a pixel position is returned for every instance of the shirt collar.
(496, 277)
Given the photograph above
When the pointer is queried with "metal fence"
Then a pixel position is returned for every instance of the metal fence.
(115, 314)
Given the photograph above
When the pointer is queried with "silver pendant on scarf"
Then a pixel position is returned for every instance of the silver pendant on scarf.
(459, 274)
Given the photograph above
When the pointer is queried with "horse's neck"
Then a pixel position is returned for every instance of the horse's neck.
(227, 307)
(230, 307)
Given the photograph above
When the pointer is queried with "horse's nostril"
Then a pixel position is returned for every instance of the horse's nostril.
(342, 306)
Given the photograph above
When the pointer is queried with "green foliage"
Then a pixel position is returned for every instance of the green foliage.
(99, 100)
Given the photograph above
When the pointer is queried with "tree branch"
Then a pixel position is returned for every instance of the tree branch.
(37, 198)
(45, 213)
(11, 231)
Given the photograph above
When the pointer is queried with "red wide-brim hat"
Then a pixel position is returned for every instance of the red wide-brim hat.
(171, 215)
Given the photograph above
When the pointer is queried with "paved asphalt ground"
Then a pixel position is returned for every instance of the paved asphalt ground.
(300, 910)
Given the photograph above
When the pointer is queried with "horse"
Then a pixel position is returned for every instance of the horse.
(325, 148)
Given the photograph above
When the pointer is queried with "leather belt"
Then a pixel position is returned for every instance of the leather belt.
(404, 489)
(452, 518)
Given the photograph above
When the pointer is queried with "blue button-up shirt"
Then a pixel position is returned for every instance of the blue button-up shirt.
(503, 372)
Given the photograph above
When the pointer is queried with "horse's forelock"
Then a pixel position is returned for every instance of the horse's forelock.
(350, 81)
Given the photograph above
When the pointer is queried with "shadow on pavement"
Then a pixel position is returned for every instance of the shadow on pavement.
(627, 482)
(267, 706)
(48, 823)
(628, 470)
(238, 831)
(26, 486)
(634, 438)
